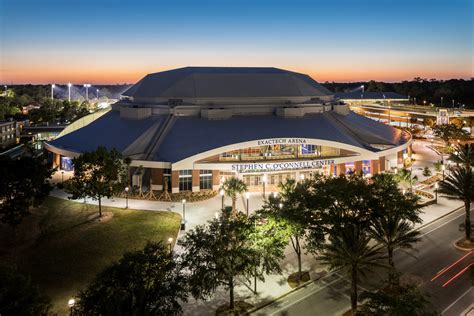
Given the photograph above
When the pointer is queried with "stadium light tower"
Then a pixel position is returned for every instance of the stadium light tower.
(69, 85)
(87, 86)
(52, 91)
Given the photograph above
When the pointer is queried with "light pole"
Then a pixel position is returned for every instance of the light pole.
(247, 196)
(62, 177)
(87, 86)
(6, 87)
(183, 221)
(221, 192)
(71, 304)
(126, 196)
(264, 180)
(97, 90)
(69, 85)
(436, 192)
(453, 102)
(52, 91)
(170, 241)
(389, 118)
(85, 186)
(443, 167)
(441, 101)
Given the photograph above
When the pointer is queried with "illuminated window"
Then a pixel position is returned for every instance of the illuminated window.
(185, 180)
(205, 179)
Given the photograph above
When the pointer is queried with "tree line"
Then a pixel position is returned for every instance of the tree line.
(431, 91)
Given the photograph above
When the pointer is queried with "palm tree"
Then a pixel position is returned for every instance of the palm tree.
(393, 232)
(349, 250)
(405, 178)
(233, 187)
(463, 154)
(460, 186)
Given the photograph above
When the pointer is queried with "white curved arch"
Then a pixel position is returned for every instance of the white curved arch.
(188, 163)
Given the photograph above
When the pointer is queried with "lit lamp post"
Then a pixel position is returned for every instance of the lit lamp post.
(222, 199)
(247, 196)
(441, 101)
(183, 221)
(87, 86)
(62, 177)
(443, 167)
(52, 91)
(71, 304)
(436, 192)
(69, 85)
(85, 186)
(264, 180)
(170, 242)
(126, 196)
(97, 91)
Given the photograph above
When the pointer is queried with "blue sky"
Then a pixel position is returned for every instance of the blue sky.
(107, 41)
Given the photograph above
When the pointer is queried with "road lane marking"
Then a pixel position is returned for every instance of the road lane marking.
(457, 300)
(445, 223)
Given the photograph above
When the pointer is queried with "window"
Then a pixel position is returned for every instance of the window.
(205, 179)
(185, 180)
(309, 149)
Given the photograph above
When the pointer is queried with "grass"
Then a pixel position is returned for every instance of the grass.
(62, 247)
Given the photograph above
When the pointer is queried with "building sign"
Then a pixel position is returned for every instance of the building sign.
(281, 141)
(442, 117)
(278, 166)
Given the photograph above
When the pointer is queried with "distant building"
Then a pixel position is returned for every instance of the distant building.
(9, 133)
(32, 106)
(367, 98)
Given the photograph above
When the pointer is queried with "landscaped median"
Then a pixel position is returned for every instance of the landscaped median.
(64, 244)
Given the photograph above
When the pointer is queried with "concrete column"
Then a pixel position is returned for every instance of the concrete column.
(341, 169)
(215, 180)
(331, 170)
(56, 160)
(195, 181)
(374, 167)
(174, 181)
(157, 179)
(409, 151)
(382, 164)
(358, 167)
(400, 158)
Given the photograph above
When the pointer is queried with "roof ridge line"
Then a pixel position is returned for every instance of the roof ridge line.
(339, 123)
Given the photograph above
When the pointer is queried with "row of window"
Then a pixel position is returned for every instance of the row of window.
(186, 180)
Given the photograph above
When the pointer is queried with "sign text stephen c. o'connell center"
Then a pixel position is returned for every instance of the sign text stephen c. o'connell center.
(275, 166)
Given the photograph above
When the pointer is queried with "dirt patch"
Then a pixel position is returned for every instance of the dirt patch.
(240, 308)
(95, 218)
(296, 279)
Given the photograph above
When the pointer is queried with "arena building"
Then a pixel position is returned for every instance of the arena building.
(188, 129)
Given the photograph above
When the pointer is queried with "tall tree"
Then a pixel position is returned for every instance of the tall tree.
(18, 296)
(459, 185)
(220, 251)
(23, 184)
(463, 154)
(149, 281)
(349, 249)
(449, 132)
(100, 173)
(233, 187)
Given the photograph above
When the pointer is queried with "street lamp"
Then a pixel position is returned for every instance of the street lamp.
(302, 177)
(264, 180)
(247, 196)
(69, 85)
(71, 304)
(97, 91)
(52, 91)
(222, 199)
(443, 167)
(441, 101)
(6, 87)
(85, 186)
(170, 241)
(87, 86)
(126, 196)
(62, 177)
(436, 192)
(183, 221)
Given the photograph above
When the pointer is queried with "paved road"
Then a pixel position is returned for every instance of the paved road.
(330, 295)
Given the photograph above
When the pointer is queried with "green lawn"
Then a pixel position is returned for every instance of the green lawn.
(65, 248)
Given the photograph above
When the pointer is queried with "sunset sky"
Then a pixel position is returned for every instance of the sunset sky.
(106, 41)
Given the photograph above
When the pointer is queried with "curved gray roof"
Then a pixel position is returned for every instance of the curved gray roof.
(226, 82)
(188, 136)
